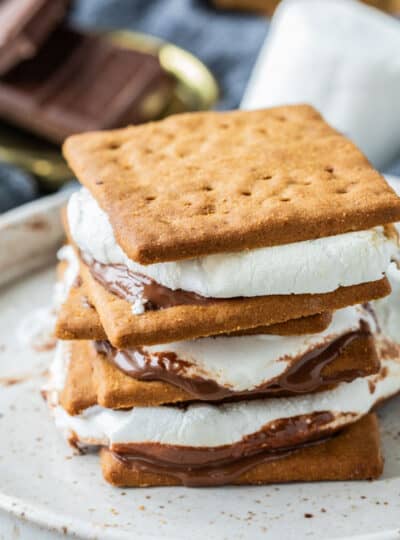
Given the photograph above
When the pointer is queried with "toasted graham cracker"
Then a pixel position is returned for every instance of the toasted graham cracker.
(353, 454)
(79, 392)
(295, 327)
(115, 390)
(89, 384)
(209, 182)
(78, 319)
(93, 379)
(178, 323)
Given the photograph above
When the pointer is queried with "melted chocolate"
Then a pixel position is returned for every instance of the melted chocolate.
(304, 375)
(368, 307)
(221, 465)
(281, 433)
(132, 286)
(217, 475)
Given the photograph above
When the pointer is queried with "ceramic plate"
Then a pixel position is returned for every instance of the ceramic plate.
(47, 493)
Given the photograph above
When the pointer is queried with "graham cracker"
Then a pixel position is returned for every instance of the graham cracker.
(353, 454)
(79, 393)
(125, 329)
(78, 319)
(116, 390)
(93, 377)
(312, 324)
(209, 182)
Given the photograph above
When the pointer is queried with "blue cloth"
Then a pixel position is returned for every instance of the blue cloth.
(16, 187)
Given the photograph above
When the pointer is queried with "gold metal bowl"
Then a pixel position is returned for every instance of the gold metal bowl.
(196, 89)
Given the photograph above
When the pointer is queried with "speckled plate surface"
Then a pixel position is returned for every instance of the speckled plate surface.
(47, 493)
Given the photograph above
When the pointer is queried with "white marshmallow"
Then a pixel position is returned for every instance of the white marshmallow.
(63, 286)
(388, 309)
(205, 425)
(338, 56)
(245, 362)
(312, 266)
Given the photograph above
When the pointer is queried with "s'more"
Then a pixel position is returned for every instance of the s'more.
(216, 317)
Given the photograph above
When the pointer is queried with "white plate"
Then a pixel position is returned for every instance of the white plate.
(46, 492)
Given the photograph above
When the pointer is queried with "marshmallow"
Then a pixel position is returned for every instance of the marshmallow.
(312, 266)
(205, 425)
(336, 55)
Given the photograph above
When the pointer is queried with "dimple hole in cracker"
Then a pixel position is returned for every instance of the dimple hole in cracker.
(207, 209)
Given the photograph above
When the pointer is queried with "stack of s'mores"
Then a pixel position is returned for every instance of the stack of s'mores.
(215, 322)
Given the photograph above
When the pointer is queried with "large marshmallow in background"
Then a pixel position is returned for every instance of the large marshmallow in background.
(342, 57)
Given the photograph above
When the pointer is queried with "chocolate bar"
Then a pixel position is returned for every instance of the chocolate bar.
(24, 26)
(82, 82)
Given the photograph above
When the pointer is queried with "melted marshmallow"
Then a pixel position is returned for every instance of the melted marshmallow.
(311, 266)
(205, 425)
(245, 362)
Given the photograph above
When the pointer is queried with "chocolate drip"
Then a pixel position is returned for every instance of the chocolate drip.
(305, 374)
(281, 433)
(367, 306)
(132, 286)
(221, 465)
(200, 477)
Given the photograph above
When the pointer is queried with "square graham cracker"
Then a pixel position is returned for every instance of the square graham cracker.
(92, 379)
(78, 393)
(78, 319)
(353, 454)
(125, 329)
(211, 182)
